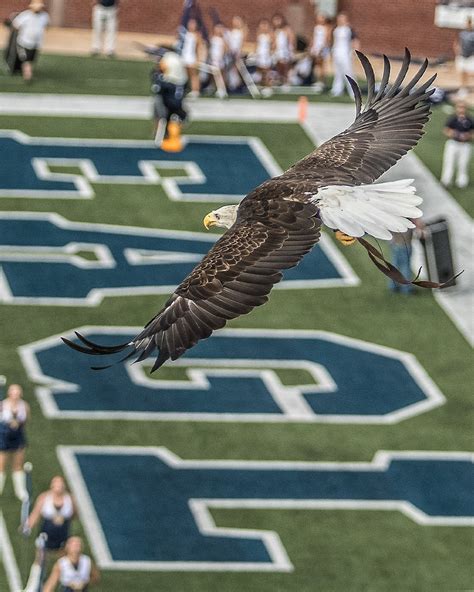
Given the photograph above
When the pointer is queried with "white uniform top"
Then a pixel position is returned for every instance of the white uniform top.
(235, 40)
(263, 53)
(7, 415)
(189, 51)
(216, 51)
(70, 575)
(282, 46)
(175, 71)
(319, 39)
(31, 26)
(342, 40)
(50, 511)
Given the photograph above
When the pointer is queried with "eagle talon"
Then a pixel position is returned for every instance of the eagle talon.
(345, 239)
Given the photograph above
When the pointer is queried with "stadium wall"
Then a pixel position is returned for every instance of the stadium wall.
(382, 26)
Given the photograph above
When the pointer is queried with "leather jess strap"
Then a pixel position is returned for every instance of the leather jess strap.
(395, 274)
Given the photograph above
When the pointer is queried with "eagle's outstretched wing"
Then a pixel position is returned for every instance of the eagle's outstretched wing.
(385, 128)
(236, 275)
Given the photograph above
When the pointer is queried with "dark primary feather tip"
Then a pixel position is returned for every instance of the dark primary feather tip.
(105, 349)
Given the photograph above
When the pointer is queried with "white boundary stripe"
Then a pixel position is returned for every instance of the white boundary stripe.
(148, 168)
(206, 525)
(51, 105)
(8, 558)
(105, 260)
(300, 412)
(457, 302)
(324, 120)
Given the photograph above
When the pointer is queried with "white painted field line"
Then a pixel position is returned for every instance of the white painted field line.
(324, 120)
(8, 558)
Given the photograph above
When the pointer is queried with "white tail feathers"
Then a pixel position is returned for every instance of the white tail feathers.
(378, 209)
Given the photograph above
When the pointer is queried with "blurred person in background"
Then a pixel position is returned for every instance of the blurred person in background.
(14, 413)
(218, 49)
(344, 42)
(401, 247)
(464, 50)
(320, 50)
(191, 54)
(55, 507)
(30, 26)
(459, 129)
(283, 47)
(263, 51)
(168, 85)
(104, 19)
(75, 571)
(235, 37)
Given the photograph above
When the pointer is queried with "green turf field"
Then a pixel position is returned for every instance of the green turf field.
(332, 550)
(95, 76)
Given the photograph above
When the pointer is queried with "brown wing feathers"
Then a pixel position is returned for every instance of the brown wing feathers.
(232, 279)
(276, 226)
(385, 128)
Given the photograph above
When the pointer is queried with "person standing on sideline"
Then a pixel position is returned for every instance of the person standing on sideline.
(464, 50)
(75, 571)
(320, 50)
(402, 249)
(459, 130)
(104, 18)
(191, 55)
(14, 413)
(263, 51)
(284, 45)
(30, 25)
(344, 42)
(56, 509)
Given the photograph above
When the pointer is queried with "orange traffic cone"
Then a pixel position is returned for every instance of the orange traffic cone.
(173, 143)
(302, 109)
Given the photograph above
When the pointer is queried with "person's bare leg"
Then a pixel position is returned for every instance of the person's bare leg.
(27, 70)
(18, 460)
(18, 475)
(3, 463)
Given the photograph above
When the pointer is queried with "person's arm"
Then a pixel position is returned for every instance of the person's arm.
(28, 411)
(18, 21)
(292, 39)
(95, 575)
(355, 41)
(53, 579)
(448, 132)
(74, 508)
(36, 512)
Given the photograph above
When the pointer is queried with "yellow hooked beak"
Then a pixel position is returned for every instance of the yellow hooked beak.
(209, 220)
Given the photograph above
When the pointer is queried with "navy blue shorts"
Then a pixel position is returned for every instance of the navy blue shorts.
(11, 440)
(57, 533)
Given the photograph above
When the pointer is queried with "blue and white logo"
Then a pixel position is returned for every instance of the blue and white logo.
(234, 376)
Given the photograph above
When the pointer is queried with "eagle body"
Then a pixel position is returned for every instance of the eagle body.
(280, 221)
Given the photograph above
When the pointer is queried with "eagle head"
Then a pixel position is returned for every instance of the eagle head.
(224, 217)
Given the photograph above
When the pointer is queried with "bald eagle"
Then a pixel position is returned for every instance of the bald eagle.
(280, 221)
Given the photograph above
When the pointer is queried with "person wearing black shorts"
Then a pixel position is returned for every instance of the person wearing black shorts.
(14, 412)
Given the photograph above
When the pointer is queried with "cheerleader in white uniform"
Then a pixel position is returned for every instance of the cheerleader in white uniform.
(344, 41)
(235, 39)
(217, 57)
(284, 42)
(75, 571)
(263, 52)
(14, 413)
(190, 53)
(320, 49)
(56, 509)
